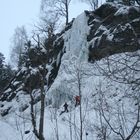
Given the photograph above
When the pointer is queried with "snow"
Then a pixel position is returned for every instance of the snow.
(7, 132)
(95, 41)
(122, 11)
(16, 83)
(58, 59)
(33, 71)
(94, 86)
(8, 90)
(23, 69)
(138, 124)
(110, 37)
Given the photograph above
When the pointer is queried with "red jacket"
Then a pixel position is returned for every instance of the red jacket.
(77, 98)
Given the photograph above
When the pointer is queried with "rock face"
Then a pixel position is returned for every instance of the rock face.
(112, 29)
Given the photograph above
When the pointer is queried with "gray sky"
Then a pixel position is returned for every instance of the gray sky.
(15, 13)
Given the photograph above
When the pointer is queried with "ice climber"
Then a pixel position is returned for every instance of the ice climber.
(65, 108)
(77, 100)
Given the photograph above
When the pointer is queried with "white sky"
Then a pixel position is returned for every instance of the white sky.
(15, 13)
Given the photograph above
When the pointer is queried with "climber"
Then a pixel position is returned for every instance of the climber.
(77, 100)
(65, 108)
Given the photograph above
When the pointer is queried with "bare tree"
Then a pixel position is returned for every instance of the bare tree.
(41, 71)
(18, 45)
(38, 132)
(126, 2)
(58, 7)
(122, 69)
(54, 118)
(63, 9)
(42, 100)
(120, 131)
(77, 80)
(48, 27)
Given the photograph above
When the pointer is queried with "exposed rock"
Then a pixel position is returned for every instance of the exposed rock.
(4, 112)
(27, 131)
(114, 29)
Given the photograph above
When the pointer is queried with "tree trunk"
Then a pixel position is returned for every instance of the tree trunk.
(42, 110)
(81, 120)
(33, 119)
(67, 12)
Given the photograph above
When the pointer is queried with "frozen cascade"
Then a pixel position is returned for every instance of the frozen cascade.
(76, 39)
(76, 46)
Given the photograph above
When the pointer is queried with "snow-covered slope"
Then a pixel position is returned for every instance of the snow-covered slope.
(109, 86)
(101, 93)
